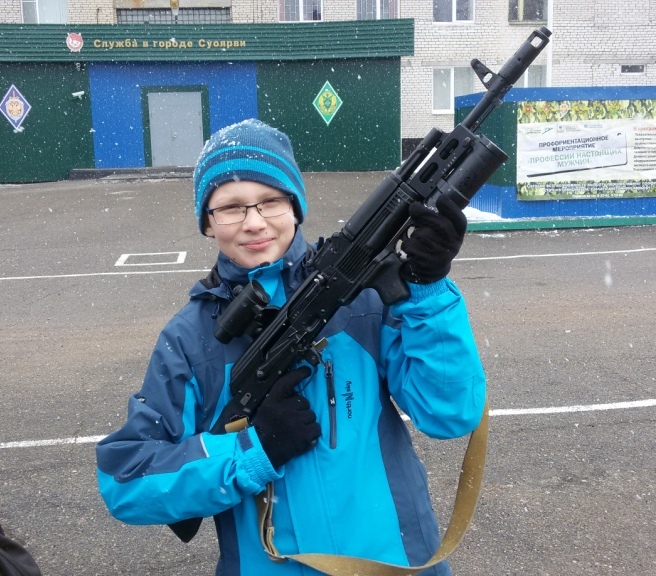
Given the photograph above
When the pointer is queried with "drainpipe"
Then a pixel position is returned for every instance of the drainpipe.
(550, 45)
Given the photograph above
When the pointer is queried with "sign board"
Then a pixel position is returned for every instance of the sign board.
(586, 149)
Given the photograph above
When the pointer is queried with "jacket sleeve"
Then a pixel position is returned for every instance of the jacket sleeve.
(160, 468)
(14, 559)
(431, 362)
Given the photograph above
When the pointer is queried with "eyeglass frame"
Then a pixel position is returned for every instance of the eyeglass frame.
(245, 208)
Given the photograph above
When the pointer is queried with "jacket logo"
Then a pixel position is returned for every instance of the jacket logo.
(348, 397)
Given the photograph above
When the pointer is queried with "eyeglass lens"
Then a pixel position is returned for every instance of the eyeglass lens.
(268, 208)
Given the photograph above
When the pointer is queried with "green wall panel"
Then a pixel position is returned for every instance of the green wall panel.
(56, 135)
(364, 134)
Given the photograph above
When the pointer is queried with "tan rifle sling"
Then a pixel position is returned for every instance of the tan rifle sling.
(469, 487)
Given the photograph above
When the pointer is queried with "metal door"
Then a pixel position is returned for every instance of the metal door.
(176, 127)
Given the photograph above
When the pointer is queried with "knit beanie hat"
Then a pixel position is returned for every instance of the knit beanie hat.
(250, 150)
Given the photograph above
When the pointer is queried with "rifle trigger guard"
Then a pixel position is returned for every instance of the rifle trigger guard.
(313, 354)
(319, 346)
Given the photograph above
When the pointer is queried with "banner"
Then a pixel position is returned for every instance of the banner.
(586, 149)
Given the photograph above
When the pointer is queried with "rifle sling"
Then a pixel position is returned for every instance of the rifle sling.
(469, 487)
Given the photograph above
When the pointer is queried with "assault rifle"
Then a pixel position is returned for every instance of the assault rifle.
(363, 255)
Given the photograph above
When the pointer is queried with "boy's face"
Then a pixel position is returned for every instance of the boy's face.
(256, 239)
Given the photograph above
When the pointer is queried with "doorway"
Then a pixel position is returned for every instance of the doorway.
(176, 124)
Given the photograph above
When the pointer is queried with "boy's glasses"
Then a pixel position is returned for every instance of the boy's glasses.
(235, 213)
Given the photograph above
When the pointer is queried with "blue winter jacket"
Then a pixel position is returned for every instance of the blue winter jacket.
(362, 491)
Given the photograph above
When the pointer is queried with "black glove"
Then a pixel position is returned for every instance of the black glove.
(435, 241)
(284, 422)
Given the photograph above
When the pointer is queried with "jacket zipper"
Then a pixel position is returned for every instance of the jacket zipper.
(332, 403)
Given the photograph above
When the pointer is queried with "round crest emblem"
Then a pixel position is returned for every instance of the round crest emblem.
(74, 42)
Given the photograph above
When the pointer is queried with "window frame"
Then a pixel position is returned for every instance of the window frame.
(378, 10)
(454, 13)
(36, 10)
(522, 19)
(301, 3)
(452, 95)
(475, 86)
(631, 72)
(198, 16)
(525, 77)
(61, 7)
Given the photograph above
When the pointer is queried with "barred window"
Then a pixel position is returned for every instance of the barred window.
(165, 16)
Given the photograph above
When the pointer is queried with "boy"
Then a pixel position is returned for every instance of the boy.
(346, 477)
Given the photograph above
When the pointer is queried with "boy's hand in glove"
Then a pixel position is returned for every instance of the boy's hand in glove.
(435, 241)
(284, 422)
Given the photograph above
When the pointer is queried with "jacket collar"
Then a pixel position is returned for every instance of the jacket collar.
(226, 273)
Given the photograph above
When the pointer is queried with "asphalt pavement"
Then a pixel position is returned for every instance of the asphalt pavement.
(565, 320)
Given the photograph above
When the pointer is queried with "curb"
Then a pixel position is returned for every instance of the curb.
(131, 173)
(560, 223)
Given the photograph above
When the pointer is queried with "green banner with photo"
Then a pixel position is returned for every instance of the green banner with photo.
(586, 149)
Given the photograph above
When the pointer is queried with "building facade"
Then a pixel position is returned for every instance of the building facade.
(133, 95)
(593, 44)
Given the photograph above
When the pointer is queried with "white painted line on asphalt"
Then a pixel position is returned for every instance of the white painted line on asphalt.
(206, 270)
(556, 255)
(564, 409)
(53, 442)
(499, 412)
(91, 274)
(123, 260)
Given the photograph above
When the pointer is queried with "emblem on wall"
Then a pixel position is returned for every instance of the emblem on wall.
(327, 103)
(74, 42)
(14, 107)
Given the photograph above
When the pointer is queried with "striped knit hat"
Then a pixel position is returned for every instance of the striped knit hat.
(250, 150)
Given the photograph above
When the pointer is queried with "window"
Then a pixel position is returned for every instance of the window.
(299, 10)
(44, 11)
(377, 9)
(632, 69)
(165, 16)
(534, 77)
(453, 10)
(527, 10)
(461, 80)
(30, 12)
(449, 83)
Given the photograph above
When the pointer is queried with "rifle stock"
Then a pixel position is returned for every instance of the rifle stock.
(363, 254)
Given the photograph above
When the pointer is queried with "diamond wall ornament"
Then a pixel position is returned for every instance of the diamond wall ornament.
(327, 103)
(14, 107)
